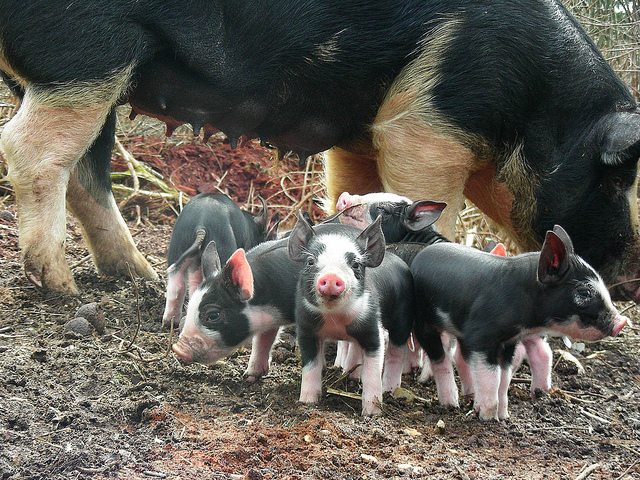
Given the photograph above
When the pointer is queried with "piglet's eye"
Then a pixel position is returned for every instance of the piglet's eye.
(584, 292)
(212, 316)
(311, 262)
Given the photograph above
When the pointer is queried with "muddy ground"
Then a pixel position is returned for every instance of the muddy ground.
(79, 406)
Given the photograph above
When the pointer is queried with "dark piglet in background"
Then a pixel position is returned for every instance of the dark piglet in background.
(488, 303)
(350, 290)
(249, 296)
(209, 217)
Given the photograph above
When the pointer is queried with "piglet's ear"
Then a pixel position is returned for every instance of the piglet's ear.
(272, 227)
(261, 218)
(422, 214)
(239, 273)
(299, 239)
(564, 236)
(210, 261)
(554, 259)
(499, 250)
(371, 242)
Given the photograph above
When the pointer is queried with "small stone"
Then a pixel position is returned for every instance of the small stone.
(307, 438)
(39, 356)
(7, 215)
(368, 458)
(324, 433)
(440, 427)
(403, 393)
(253, 474)
(412, 432)
(78, 327)
(93, 314)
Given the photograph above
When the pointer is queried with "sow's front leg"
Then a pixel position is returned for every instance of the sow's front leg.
(42, 144)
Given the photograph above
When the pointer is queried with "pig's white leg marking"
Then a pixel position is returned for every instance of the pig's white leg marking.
(464, 372)
(445, 382)
(341, 347)
(426, 372)
(372, 379)
(195, 278)
(415, 357)
(394, 361)
(176, 293)
(506, 372)
(353, 357)
(311, 387)
(42, 145)
(260, 354)
(486, 379)
(540, 361)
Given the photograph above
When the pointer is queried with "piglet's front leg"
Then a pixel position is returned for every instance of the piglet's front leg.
(260, 354)
(372, 382)
(486, 380)
(312, 363)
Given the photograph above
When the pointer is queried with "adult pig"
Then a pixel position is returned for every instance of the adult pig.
(508, 103)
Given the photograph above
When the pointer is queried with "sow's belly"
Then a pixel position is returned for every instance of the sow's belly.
(294, 117)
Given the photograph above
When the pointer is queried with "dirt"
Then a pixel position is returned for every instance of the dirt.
(112, 404)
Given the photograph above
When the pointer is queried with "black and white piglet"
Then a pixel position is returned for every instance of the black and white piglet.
(350, 290)
(408, 228)
(251, 296)
(488, 303)
(209, 217)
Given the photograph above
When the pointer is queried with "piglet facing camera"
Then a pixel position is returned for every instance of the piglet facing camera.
(489, 303)
(350, 290)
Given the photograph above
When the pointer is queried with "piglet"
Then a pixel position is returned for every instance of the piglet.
(488, 303)
(407, 227)
(250, 296)
(350, 290)
(209, 217)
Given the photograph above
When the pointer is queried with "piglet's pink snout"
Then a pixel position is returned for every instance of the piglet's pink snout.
(344, 201)
(619, 323)
(183, 351)
(330, 284)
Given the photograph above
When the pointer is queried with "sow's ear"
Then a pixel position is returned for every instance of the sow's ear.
(239, 273)
(554, 259)
(371, 242)
(621, 138)
(422, 214)
(299, 239)
(210, 261)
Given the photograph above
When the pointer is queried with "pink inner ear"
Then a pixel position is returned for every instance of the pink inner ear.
(499, 250)
(241, 273)
(428, 207)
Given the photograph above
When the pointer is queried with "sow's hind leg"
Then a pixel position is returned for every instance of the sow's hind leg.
(90, 199)
(42, 144)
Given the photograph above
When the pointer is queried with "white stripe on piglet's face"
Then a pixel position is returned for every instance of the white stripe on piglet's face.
(334, 260)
